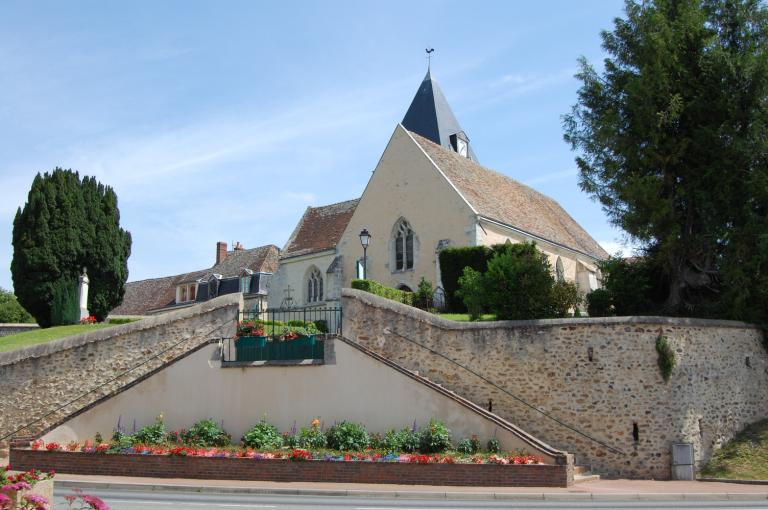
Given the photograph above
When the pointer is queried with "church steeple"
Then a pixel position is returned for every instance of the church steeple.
(430, 116)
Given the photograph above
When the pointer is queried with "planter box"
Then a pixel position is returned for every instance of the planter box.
(259, 348)
(217, 468)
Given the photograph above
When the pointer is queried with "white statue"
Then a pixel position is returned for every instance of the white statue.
(82, 293)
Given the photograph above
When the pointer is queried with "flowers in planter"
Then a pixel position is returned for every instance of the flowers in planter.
(343, 442)
(12, 484)
(88, 320)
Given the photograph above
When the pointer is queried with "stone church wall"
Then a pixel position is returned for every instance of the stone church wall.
(720, 383)
(37, 381)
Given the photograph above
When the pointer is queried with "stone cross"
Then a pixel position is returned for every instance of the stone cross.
(82, 293)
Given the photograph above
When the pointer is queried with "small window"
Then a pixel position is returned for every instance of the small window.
(360, 269)
(592, 281)
(404, 250)
(560, 270)
(245, 284)
(314, 286)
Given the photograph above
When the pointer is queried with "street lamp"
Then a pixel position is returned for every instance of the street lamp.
(365, 240)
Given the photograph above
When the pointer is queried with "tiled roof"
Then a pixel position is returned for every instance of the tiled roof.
(156, 293)
(498, 197)
(319, 229)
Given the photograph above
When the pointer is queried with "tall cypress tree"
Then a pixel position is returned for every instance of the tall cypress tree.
(68, 224)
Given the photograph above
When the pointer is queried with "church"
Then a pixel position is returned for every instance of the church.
(427, 193)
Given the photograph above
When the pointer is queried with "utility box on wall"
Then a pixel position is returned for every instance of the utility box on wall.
(682, 461)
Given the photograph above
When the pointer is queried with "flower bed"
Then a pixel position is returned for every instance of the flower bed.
(25, 490)
(298, 465)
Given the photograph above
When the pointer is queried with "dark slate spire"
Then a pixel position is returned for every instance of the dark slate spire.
(430, 116)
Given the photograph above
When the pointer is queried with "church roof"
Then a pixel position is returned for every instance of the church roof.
(502, 199)
(144, 296)
(319, 229)
(431, 116)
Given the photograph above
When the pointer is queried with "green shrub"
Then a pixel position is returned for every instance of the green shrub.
(494, 446)
(312, 437)
(472, 292)
(322, 325)
(206, 433)
(404, 440)
(434, 438)
(599, 303)
(636, 286)
(11, 310)
(666, 359)
(375, 287)
(422, 298)
(452, 264)
(565, 297)
(263, 436)
(377, 441)
(518, 283)
(465, 446)
(347, 436)
(152, 434)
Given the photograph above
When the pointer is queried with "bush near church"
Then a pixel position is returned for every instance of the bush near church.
(68, 223)
(517, 285)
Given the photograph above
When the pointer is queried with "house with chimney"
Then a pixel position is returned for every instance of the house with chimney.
(427, 193)
(238, 270)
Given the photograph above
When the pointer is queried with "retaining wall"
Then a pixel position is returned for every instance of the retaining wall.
(37, 382)
(598, 375)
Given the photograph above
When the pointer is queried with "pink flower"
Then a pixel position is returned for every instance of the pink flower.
(36, 499)
(94, 502)
(5, 501)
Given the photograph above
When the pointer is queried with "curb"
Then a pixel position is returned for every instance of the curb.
(507, 496)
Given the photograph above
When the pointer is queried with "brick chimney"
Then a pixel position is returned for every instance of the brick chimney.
(221, 251)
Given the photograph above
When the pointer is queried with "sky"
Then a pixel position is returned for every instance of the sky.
(223, 121)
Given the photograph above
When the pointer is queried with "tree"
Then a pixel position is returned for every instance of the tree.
(10, 309)
(672, 141)
(68, 224)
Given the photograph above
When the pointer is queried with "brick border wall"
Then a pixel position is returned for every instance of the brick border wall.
(213, 468)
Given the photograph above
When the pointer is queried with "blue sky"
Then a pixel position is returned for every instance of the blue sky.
(223, 121)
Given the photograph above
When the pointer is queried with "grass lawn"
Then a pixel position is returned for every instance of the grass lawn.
(464, 317)
(744, 458)
(39, 336)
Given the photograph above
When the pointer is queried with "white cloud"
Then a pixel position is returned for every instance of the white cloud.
(625, 247)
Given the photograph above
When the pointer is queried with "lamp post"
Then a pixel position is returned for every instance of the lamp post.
(365, 240)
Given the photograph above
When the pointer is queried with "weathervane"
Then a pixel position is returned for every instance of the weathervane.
(429, 57)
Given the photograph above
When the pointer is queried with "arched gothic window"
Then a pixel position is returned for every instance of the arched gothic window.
(559, 270)
(314, 286)
(403, 246)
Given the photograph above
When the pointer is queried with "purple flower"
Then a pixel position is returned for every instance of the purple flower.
(36, 499)
(5, 501)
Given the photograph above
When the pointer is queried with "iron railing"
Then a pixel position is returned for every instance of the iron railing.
(277, 334)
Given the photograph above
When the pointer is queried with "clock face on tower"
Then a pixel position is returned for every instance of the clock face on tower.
(461, 147)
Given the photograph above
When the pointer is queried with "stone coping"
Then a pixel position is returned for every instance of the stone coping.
(62, 344)
(423, 316)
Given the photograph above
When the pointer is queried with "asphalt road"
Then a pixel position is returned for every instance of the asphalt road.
(158, 500)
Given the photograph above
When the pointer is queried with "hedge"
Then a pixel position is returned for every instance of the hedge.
(452, 264)
(375, 287)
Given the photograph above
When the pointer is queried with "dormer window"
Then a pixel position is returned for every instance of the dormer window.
(460, 143)
(186, 292)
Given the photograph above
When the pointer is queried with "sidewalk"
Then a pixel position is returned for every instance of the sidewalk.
(605, 490)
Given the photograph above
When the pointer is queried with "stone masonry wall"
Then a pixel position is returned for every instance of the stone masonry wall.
(720, 383)
(36, 381)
